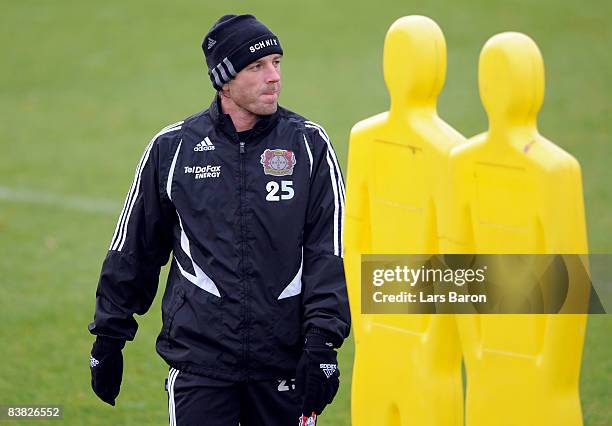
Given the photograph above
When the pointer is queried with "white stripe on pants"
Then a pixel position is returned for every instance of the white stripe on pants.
(172, 374)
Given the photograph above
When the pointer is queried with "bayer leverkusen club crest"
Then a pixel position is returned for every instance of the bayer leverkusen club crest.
(278, 162)
(308, 421)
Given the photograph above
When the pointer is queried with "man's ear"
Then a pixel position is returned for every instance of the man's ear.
(225, 90)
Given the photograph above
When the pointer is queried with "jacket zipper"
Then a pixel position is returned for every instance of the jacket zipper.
(243, 260)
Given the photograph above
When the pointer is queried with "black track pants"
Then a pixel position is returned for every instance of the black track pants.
(195, 400)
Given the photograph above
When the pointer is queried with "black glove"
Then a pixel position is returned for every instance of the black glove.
(317, 374)
(106, 364)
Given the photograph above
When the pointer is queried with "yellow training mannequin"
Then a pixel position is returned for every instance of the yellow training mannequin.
(407, 367)
(516, 192)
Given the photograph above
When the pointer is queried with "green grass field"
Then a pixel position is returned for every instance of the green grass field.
(85, 85)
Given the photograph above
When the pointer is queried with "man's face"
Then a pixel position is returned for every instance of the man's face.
(256, 87)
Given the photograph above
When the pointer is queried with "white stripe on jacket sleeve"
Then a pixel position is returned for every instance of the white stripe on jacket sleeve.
(121, 229)
(338, 189)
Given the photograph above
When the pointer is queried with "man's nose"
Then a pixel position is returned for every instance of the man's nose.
(273, 74)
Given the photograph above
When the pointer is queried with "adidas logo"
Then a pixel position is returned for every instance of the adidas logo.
(204, 145)
(328, 369)
(93, 362)
(211, 43)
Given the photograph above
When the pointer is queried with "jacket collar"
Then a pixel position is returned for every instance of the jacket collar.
(223, 121)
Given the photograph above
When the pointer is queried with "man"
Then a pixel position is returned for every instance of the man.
(249, 198)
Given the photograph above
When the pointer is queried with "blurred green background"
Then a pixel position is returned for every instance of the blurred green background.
(86, 84)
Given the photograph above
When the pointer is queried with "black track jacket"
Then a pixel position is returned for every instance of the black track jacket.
(255, 229)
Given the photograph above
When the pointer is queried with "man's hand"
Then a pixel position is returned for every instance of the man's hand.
(106, 364)
(317, 374)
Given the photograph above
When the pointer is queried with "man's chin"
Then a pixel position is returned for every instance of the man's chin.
(268, 109)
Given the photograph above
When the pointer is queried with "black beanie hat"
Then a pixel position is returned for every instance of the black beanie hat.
(233, 42)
